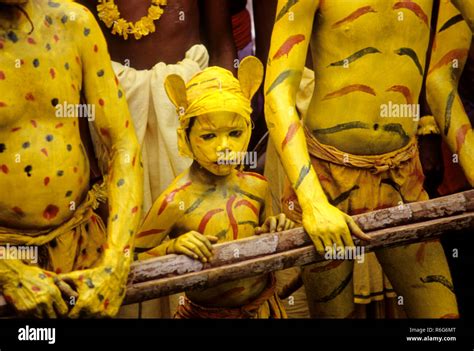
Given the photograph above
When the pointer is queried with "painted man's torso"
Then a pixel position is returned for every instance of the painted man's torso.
(44, 171)
(367, 54)
(230, 210)
(176, 31)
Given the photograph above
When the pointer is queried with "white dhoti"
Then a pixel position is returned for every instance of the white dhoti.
(155, 118)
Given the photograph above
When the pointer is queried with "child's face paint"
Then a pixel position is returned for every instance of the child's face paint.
(218, 140)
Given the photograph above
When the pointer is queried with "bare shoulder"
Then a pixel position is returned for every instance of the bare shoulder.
(254, 182)
(65, 11)
(68, 13)
(179, 186)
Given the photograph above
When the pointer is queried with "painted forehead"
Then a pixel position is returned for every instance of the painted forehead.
(220, 120)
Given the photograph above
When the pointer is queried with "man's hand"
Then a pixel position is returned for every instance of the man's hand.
(327, 225)
(33, 292)
(275, 224)
(194, 245)
(101, 289)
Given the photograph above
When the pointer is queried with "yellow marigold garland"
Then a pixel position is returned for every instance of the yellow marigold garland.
(110, 15)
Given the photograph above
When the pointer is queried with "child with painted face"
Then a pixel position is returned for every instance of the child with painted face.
(214, 201)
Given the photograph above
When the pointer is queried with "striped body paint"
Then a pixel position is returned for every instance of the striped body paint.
(354, 15)
(413, 7)
(411, 54)
(355, 56)
(286, 47)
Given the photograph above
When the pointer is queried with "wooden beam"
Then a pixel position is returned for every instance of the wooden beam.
(260, 254)
(206, 278)
(265, 244)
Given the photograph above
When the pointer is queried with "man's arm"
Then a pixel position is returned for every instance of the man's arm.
(325, 224)
(114, 126)
(159, 221)
(466, 7)
(453, 40)
(217, 29)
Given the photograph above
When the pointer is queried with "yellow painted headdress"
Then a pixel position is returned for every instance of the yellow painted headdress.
(212, 90)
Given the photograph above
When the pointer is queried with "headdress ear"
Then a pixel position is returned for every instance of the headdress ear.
(250, 76)
(176, 91)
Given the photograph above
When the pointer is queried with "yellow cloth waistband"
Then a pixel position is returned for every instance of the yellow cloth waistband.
(194, 310)
(41, 237)
(374, 163)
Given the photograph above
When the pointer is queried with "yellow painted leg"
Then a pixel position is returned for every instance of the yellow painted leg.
(420, 274)
(329, 289)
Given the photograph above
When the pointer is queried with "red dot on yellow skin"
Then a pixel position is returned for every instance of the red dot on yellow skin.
(52, 73)
(2, 75)
(96, 48)
(56, 38)
(101, 102)
(33, 122)
(4, 169)
(135, 209)
(46, 181)
(30, 97)
(50, 212)
(2, 104)
(105, 132)
(16, 129)
(31, 41)
(59, 125)
(44, 151)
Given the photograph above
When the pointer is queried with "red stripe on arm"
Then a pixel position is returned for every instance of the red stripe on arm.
(170, 197)
(459, 54)
(149, 232)
(350, 89)
(354, 15)
(461, 136)
(290, 134)
(289, 43)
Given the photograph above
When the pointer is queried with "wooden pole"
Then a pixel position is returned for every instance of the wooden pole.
(209, 277)
(243, 258)
(265, 244)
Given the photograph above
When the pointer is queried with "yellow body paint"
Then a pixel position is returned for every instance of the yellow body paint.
(45, 66)
(369, 63)
(213, 201)
(449, 54)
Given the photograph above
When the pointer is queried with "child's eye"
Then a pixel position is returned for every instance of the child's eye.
(235, 133)
(208, 136)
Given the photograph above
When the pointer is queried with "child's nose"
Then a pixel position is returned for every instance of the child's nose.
(223, 144)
